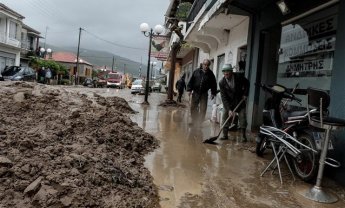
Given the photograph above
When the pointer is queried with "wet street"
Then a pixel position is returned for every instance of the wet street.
(189, 173)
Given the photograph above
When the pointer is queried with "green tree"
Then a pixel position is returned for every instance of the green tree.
(183, 11)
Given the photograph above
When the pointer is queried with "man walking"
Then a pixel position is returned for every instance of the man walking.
(233, 88)
(180, 86)
(200, 82)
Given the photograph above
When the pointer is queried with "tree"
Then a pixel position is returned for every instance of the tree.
(183, 10)
(176, 46)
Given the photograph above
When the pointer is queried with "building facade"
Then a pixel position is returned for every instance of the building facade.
(301, 42)
(16, 38)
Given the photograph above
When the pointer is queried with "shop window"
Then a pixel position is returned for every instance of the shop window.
(220, 63)
(306, 53)
(13, 30)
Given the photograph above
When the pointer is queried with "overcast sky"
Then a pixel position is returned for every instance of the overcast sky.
(116, 21)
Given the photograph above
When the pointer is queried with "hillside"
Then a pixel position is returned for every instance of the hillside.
(104, 58)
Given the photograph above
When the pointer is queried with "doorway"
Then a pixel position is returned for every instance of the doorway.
(267, 68)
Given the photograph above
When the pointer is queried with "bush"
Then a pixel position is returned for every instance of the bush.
(65, 82)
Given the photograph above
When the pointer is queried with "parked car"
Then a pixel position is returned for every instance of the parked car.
(19, 73)
(157, 87)
(88, 82)
(138, 86)
(101, 82)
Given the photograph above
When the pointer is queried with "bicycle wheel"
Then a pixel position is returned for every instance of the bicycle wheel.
(306, 165)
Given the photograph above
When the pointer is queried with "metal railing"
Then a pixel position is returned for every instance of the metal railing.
(196, 7)
(9, 41)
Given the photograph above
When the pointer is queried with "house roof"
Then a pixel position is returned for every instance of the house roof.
(31, 30)
(5, 8)
(67, 57)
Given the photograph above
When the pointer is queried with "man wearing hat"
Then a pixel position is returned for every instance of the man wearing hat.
(233, 88)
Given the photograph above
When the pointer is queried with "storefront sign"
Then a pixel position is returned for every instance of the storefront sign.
(307, 50)
(315, 37)
(160, 47)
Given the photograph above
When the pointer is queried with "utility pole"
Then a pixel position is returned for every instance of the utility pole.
(112, 66)
(76, 71)
(141, 63)
(124, 68)
(45, 38)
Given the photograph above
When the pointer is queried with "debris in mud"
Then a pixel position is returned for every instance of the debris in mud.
(250, 146)
(64, 149)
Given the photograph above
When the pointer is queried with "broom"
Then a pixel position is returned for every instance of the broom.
(212, 139)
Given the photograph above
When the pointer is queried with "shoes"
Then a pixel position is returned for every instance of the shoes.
(224, 138)
(244, 137)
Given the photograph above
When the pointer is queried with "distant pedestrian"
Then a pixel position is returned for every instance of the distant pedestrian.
(201, 81)
(42, 75)
(48, 76)
(180, 86)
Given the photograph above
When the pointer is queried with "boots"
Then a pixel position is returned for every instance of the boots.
(244, 136)
(225, 134)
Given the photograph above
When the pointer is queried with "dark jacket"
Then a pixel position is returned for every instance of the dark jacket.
(201, 82)
(180, 85)
(231, 98)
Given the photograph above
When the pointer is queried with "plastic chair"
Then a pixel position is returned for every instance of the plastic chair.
(320, 100)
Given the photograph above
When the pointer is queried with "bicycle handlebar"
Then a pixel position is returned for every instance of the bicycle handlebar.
(286, 94)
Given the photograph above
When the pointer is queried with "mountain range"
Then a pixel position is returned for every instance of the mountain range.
(105, 59)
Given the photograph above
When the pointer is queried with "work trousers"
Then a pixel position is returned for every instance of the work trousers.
(179, 97)
(198, 107)
(242, 119)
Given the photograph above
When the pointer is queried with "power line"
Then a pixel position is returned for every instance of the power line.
(116, 44)
(108, 57)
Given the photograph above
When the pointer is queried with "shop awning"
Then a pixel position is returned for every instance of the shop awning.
(211, 12)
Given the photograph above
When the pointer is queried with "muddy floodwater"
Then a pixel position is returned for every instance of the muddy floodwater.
(185, 171)
(189, 173)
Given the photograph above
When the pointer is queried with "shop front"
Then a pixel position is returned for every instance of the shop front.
(303, 45)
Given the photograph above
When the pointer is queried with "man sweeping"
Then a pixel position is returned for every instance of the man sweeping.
(233, 88)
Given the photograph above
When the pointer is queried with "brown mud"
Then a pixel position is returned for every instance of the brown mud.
(65, 149)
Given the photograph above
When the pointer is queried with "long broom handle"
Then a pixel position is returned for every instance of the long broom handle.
(238, 105)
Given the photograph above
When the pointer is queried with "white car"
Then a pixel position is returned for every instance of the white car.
(138, 86)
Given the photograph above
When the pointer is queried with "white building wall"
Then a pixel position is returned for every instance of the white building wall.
(202, 57)
(237, 37)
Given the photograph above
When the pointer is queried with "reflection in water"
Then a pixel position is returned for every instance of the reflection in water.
(145, 116)
(188, 166)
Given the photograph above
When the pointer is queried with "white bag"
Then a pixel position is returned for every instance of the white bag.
(214, 113)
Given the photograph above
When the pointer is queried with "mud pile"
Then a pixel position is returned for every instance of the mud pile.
(63, 149)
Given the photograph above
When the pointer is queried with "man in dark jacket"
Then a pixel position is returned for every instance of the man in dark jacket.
(200, 82)
(180, 86)
(233, 88)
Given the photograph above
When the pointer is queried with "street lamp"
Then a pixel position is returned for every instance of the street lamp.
(153, 64)
(44, 52)
(149, 32)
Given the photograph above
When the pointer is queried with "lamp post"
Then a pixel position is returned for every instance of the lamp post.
(44, 52)
(153, 64)
(149, 32)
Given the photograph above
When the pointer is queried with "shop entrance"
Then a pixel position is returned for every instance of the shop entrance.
(267, 68)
